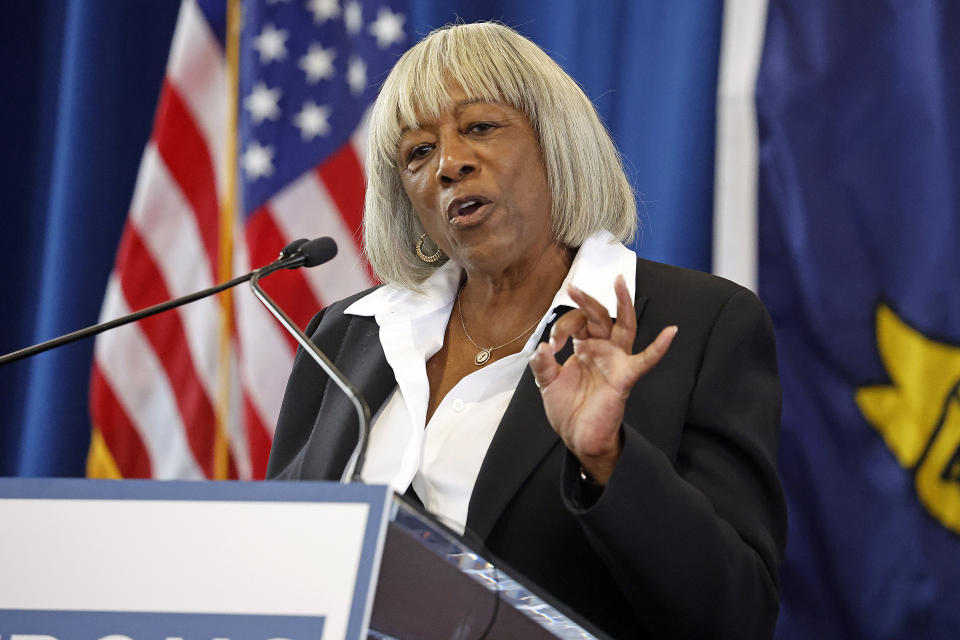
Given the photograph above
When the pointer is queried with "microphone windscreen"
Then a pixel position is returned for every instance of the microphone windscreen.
(318, 251)
(291, 248)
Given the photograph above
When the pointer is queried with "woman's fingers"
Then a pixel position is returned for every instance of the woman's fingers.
(591, 321)
(572, 323)
(544, 366)
(625, 330)
(647, 359)
(599, 324)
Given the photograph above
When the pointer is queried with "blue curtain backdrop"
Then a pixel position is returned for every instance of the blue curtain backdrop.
(80, 91)
(80, 87)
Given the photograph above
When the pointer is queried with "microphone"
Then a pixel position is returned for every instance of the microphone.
(292, 247)
(302, 253)
(299, 253)
(315, 252)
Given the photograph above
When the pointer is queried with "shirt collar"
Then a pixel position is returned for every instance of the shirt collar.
(391, 303)
(600, 259)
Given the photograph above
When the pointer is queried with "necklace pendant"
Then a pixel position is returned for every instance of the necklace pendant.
(482, 356)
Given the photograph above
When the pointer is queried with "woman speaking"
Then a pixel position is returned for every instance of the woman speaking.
(607, 426)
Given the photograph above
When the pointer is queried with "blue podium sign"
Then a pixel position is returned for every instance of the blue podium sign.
(138, 560)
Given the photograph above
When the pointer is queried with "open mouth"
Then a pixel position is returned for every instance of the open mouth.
(466, 208)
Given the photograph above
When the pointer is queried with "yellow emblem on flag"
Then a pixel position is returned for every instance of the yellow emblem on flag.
(918, 414)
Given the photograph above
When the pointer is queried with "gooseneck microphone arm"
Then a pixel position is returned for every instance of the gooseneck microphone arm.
(290, 258)
(354, 466)
(119, 322)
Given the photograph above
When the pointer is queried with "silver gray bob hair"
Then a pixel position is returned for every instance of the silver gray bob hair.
(494, 63)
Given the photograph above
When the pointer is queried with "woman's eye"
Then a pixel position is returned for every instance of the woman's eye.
(480, 127)
(418, 152)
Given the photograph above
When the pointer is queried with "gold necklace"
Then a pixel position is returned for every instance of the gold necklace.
(484, 354)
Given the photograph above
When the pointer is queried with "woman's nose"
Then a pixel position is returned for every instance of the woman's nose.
(456, 162)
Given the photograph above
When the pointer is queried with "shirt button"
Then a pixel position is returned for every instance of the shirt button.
(458, 405)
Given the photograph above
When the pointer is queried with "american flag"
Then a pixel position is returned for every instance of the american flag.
(258, 140)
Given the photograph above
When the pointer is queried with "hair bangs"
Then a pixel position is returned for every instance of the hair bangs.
(482, 65)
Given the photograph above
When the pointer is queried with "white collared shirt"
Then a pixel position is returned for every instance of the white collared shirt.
(442, 458)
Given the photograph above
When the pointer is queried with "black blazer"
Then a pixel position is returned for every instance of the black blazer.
(686, 539)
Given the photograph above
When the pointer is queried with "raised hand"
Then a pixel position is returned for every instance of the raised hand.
(584, 399)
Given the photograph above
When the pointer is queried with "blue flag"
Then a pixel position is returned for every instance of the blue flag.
(859, 216)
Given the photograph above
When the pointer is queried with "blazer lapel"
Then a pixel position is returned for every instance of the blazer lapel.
(523, 439)
(335, 430)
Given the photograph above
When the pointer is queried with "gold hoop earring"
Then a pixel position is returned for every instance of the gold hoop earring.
(423, 256)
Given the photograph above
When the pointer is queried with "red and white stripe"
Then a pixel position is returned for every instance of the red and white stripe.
(156, 384)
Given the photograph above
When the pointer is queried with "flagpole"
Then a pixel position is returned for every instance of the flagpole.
(228, 217)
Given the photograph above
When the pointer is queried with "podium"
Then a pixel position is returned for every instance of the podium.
(129, 560)
(434, 586)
